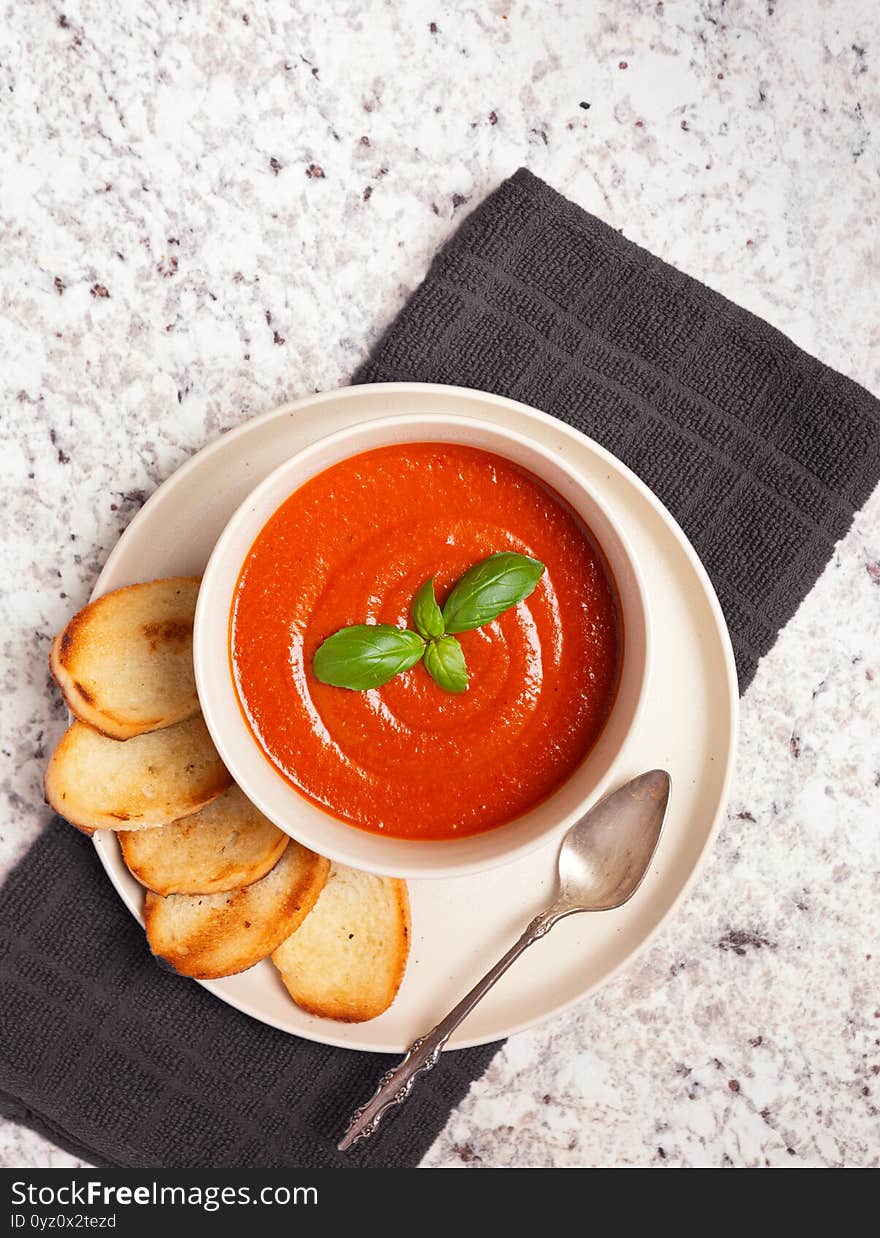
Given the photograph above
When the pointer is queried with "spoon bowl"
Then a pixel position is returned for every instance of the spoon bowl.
(605, 855)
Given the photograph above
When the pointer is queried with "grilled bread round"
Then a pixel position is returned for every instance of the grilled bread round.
(213, 935)
(124, 662)
(347, 959)
(224, 846)
(101, 784)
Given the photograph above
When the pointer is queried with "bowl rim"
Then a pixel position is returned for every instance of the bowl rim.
(207, 612)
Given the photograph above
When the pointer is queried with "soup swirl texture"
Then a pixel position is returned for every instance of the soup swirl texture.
(408, 759)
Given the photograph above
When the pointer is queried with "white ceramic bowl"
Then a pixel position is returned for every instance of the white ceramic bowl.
(266, 787)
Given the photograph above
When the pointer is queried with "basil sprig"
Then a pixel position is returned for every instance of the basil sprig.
(368, 655)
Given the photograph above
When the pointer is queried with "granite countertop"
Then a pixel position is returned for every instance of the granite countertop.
(208, 213)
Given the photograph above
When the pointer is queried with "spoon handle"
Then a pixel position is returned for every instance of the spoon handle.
(395, 1086)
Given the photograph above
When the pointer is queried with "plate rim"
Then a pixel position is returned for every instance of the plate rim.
(660, 511)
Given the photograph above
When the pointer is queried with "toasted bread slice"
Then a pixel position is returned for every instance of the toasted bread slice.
(213, 935)
(346, 961)
(224, 846)
(101, 784)
(124, 663)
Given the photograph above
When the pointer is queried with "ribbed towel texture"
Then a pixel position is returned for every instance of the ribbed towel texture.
(761, 452)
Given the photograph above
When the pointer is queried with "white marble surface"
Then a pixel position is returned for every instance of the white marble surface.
(209, 209)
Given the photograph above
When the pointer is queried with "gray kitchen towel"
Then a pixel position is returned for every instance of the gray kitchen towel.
(761, 452)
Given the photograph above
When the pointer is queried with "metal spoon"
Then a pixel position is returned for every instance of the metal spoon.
(602, 861)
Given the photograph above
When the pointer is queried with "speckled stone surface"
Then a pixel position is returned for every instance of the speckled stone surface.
(207, 213)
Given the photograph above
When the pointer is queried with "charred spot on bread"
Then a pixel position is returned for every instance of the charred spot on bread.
(172, 630)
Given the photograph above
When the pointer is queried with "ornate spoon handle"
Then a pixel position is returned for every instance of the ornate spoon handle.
(395, 1086)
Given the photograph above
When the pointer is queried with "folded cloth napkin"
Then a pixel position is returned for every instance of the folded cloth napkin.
(762, 454)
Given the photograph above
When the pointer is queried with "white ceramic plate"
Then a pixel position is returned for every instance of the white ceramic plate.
(461, 926)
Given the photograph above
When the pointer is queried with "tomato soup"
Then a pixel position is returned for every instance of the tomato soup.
(409, 759)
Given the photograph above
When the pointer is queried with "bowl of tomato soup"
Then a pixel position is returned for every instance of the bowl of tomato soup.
(409, 778)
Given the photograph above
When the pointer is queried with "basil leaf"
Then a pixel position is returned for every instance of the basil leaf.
(489, 588)
(444, 662)
(426, 614)
(366, 655)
